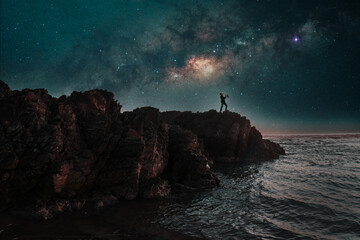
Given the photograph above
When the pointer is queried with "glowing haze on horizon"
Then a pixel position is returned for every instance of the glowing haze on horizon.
(289, 66)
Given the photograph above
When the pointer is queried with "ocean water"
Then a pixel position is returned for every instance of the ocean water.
(313, 192)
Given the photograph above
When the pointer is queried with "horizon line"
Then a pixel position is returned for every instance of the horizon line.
(311, 134)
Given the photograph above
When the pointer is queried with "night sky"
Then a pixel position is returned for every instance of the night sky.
(289, 66)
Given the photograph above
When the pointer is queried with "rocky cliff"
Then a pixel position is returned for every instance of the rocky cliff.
(80, 147)
(228, 137)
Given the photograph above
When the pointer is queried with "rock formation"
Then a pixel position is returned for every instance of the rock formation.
(228, 137)
(81, 146)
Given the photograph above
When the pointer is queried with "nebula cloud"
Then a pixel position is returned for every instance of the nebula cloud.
(280, 61)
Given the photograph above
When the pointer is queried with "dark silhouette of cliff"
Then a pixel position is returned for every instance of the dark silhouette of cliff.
(228, 137)
(56, 152)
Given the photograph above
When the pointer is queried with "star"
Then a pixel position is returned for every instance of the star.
(296, 39)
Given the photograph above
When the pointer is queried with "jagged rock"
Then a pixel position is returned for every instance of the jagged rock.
(260, 149)
(147, 124)
(228, 137)
(4, 89)
(53, 150)
(188, 163)
(157, 188)
(76, 146)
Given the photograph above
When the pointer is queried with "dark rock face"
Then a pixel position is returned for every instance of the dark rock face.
(228, 137)
(62, 150)
(80, 146)
(189, 162)
(261, 149)
(4, 89)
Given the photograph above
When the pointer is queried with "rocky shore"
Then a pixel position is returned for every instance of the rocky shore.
(60, 154)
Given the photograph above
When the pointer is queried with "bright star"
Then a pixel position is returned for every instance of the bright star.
(296, 39)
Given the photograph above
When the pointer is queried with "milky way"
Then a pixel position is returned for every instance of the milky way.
(290, 66)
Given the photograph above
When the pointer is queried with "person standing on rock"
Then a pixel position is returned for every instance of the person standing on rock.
(222, 99)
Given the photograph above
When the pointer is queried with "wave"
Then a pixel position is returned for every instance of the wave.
(311, 193)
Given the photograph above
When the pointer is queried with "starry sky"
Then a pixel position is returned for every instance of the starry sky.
(289, 66)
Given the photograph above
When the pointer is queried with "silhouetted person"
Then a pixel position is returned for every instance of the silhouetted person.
(222, 99)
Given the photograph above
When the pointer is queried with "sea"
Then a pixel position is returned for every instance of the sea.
(313, 192)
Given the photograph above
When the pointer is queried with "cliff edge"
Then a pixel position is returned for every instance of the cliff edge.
(57, 152)
(228, 137)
